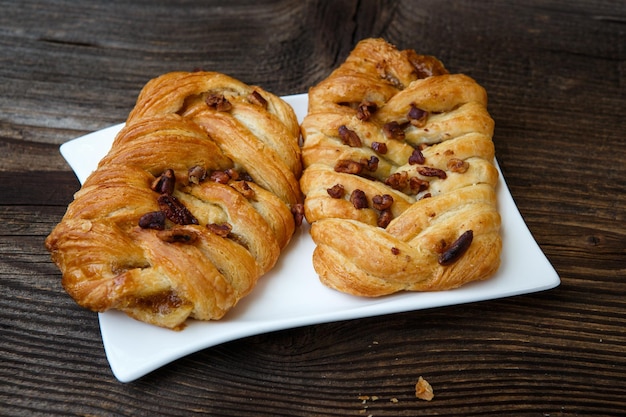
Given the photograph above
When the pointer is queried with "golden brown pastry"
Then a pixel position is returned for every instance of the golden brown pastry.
(399, 177)
(193, 203)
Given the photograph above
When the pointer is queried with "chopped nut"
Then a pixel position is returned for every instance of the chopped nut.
(382, 202)
(197, 174)
(218, 102)
(298, 214)
(398, 181)
(221, 230)
(384, 218)
(423, 390)
(348, 167)
(349, 137)
(417, 157)
(417, 117)
(165, 183)
(371, 164)
(393, 130)
(458, 165)
(358, 199)
(175, 210)
(256, 98)
(379, 147)
(432, 172)
(221, 177)
(177, 235)
(336, 191)
(417, 185)
(244, 189)
(365, 110)
(153, 220)
(456, 249)
(395, 251)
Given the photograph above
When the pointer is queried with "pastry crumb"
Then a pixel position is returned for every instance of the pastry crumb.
(423, 390)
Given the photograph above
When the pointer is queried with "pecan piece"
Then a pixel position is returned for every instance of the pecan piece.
(394, 130)
(384, 218)
(336, 191)
(175, 210)
(221, 230)
(365, 110)
(379, 147)
(382, 202)
(453, 252)
(458, 165)
(417, 157)
(177, 235)
(371, 164)
(349, 137)
(432, 172)
(221, 177)
(417, 185)
(196, 174)
(398, 181)
(417, 117)
(218, 102)
(348, 167)
(358, 199)
(165, 183)
(152, 220)
(298, 214)
(256, 98)
(244, 189)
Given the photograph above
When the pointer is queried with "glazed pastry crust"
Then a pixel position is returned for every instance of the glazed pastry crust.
(436, 163)
(236, 168)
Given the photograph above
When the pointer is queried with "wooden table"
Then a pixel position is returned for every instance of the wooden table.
(556, 77)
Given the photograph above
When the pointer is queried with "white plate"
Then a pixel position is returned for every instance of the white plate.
(291, 295)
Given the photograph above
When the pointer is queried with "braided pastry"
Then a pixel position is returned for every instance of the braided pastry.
(399, 178)
(193, 203)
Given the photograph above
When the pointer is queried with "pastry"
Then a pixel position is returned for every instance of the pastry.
(399, 176)
(194, 202)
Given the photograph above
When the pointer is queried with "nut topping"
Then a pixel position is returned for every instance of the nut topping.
(456, 249)
(221, 230)
(358, 199)
(197, 174)
(432, 172)
(349, 137)
(382, 202)
(417, 117)
(336, 191)
(244, 189)
(347, 166)
(394, 130)
(458, 165)
(417, 157)
(365, 110)
(398, 181)
(384, 218)
(175, 210)
(298, 213)
(165, 183)
(379, 147)
(218, 102)
(256, 98)
(153, 220)
(177, 235)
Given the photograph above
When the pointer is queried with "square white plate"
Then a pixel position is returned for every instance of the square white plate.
(291, 295)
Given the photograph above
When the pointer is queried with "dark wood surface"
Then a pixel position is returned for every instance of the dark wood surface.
(555, 72)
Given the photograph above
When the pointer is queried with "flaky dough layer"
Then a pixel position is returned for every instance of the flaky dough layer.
(399, 177)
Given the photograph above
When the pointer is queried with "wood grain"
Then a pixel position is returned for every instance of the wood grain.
(555, 73)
